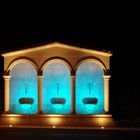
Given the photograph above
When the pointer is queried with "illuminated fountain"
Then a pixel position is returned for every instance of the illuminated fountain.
(58, 100)
(26, 100)
(90, 100)
(57, 86)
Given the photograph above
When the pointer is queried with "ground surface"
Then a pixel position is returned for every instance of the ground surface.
(67, 134)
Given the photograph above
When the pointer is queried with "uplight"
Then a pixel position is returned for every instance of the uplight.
(102, 127)
(54, 126)
(10, 125)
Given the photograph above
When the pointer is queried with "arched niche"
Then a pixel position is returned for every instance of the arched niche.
(56, 89)
(89, 88)
(23, 89)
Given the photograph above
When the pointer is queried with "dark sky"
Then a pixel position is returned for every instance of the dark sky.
(111, 31)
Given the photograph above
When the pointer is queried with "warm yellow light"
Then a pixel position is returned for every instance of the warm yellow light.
(106, 92)
(56, 45)
(54, 121)
(54, 126)
(102, 122)
(10, 125)
(102, 127)
(15, 120)
(12, 115)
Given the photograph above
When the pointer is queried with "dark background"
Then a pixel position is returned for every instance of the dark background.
(113, 29)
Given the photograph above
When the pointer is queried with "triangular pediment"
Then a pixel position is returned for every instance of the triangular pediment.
(56, 45)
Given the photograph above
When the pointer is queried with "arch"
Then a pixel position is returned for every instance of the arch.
(57, 59)
(20, 60)
(23, 88)
(89, 88)
(92, 59)
(56, 88)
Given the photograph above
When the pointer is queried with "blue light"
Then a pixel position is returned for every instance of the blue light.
(89, 84)
(56, 84)
(23, 84)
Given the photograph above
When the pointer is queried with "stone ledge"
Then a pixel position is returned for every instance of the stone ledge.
(57, 120)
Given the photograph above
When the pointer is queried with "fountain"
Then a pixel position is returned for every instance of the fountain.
(26, 100)
(58, 100)
(90, 100)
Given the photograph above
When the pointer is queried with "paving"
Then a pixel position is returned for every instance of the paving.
(67, 134)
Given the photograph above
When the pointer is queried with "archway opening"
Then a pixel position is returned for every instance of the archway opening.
(23, 89)
(56, 89)
(89, 89)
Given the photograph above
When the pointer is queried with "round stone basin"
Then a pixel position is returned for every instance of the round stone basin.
(26, 100)
(90, 100)
(58, 100)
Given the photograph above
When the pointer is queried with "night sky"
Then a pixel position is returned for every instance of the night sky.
(108, 31)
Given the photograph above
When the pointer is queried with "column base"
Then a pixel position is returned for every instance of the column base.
(6, 112)
(73, 113)
(40, 112)
(106, 112)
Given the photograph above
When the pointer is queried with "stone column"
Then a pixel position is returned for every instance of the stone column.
(6, 93)
(106, 92)
(73, 93)
(40, 94)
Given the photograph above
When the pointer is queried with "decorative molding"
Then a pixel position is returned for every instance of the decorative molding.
(56, 44)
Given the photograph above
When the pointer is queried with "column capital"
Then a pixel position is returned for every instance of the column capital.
(106, 76)
(6, 76)
(40, 77)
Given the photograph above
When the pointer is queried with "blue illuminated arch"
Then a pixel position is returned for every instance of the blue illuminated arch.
(56, 88)
(57, 59)
(23, 87)
(20, 60)
(90, 87)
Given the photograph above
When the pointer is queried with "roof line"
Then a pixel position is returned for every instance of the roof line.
(53, 45)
